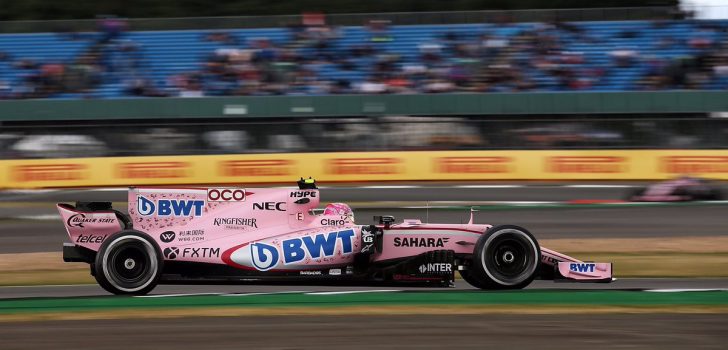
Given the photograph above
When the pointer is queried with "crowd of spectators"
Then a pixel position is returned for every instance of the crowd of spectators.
(106, 57)
(314, 60)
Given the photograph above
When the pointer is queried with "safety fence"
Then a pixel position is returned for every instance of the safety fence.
(365, 166)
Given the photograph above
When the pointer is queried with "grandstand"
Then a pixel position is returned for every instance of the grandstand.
(574, 56)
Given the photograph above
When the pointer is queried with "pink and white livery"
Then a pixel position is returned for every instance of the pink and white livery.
(222, 234)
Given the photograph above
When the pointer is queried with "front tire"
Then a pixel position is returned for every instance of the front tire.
(128, 263)
(505, 257)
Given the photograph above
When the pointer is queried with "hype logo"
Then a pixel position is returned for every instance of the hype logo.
(264, 256)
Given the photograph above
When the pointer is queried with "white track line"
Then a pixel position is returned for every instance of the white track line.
(679, 290)
(489, 186)
(262, 293)
(174, 295)
(597, 186)
(384, 187)
(355, 291)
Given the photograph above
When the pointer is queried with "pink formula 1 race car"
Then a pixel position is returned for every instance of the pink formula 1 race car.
(234, 235)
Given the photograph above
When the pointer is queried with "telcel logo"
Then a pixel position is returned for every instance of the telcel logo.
(584, 267)
(225, 195)
(169, 207)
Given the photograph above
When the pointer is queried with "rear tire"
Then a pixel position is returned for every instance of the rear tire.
(505, 257)
(129, 262)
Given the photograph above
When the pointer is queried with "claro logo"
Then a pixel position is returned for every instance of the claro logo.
(694, 164)
(51, 172)
(263, 167)
(473, 165)
(586, 164)
(153, 170)
(358, 166)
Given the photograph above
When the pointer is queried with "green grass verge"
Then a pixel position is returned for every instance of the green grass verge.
(516, 298)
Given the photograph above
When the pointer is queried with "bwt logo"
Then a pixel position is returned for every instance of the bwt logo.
(473, 165)
(294, 250)
(279, 206)
(225, 195)
(51, 172)
(169, 207)
(581, 267)
(586, 164)
(356, 166)
(263, 167)
(694, 164)
(153, 170)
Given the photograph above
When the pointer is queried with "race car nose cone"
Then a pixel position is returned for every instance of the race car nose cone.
(129, 264)
(508, 257)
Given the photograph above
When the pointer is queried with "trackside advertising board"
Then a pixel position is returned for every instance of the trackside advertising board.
(365, 166)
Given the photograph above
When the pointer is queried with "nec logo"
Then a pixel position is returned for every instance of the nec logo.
(263, 167)
(694, 164)
(586, 164)
(279, 206)
(152, 170)
(473, 165)
(588, 267)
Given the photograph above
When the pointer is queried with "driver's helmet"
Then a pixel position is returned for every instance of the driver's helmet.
(339, 209)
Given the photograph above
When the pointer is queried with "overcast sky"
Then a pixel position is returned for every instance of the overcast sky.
(712, 9)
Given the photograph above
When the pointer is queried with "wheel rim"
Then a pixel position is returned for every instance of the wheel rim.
(510, 257)
(129, 263)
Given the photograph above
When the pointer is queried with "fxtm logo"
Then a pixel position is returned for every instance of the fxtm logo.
(225, 195)
(172, 253)
(279, 206)
(169, 207)
(167, 237)
(419, 242)
(266, 256)
(581, 267)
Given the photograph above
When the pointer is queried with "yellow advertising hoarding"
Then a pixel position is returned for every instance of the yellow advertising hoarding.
(365, 166)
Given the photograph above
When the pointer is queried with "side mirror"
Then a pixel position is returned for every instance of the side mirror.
(385, 220)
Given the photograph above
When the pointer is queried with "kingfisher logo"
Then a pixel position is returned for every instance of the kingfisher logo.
(264, 256)
(694, 164)
(582, 267)
(586, 164)
(50, 172)
(472, 165)
(169, 207)
(153, 170)
(358, 166)
(261, 167)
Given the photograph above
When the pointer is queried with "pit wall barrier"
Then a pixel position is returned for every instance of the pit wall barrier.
(365, 166)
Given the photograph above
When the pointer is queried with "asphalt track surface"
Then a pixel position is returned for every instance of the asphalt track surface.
(612, 331)
(87, 290)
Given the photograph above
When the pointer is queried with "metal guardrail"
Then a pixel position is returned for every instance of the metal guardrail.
(355, 19)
